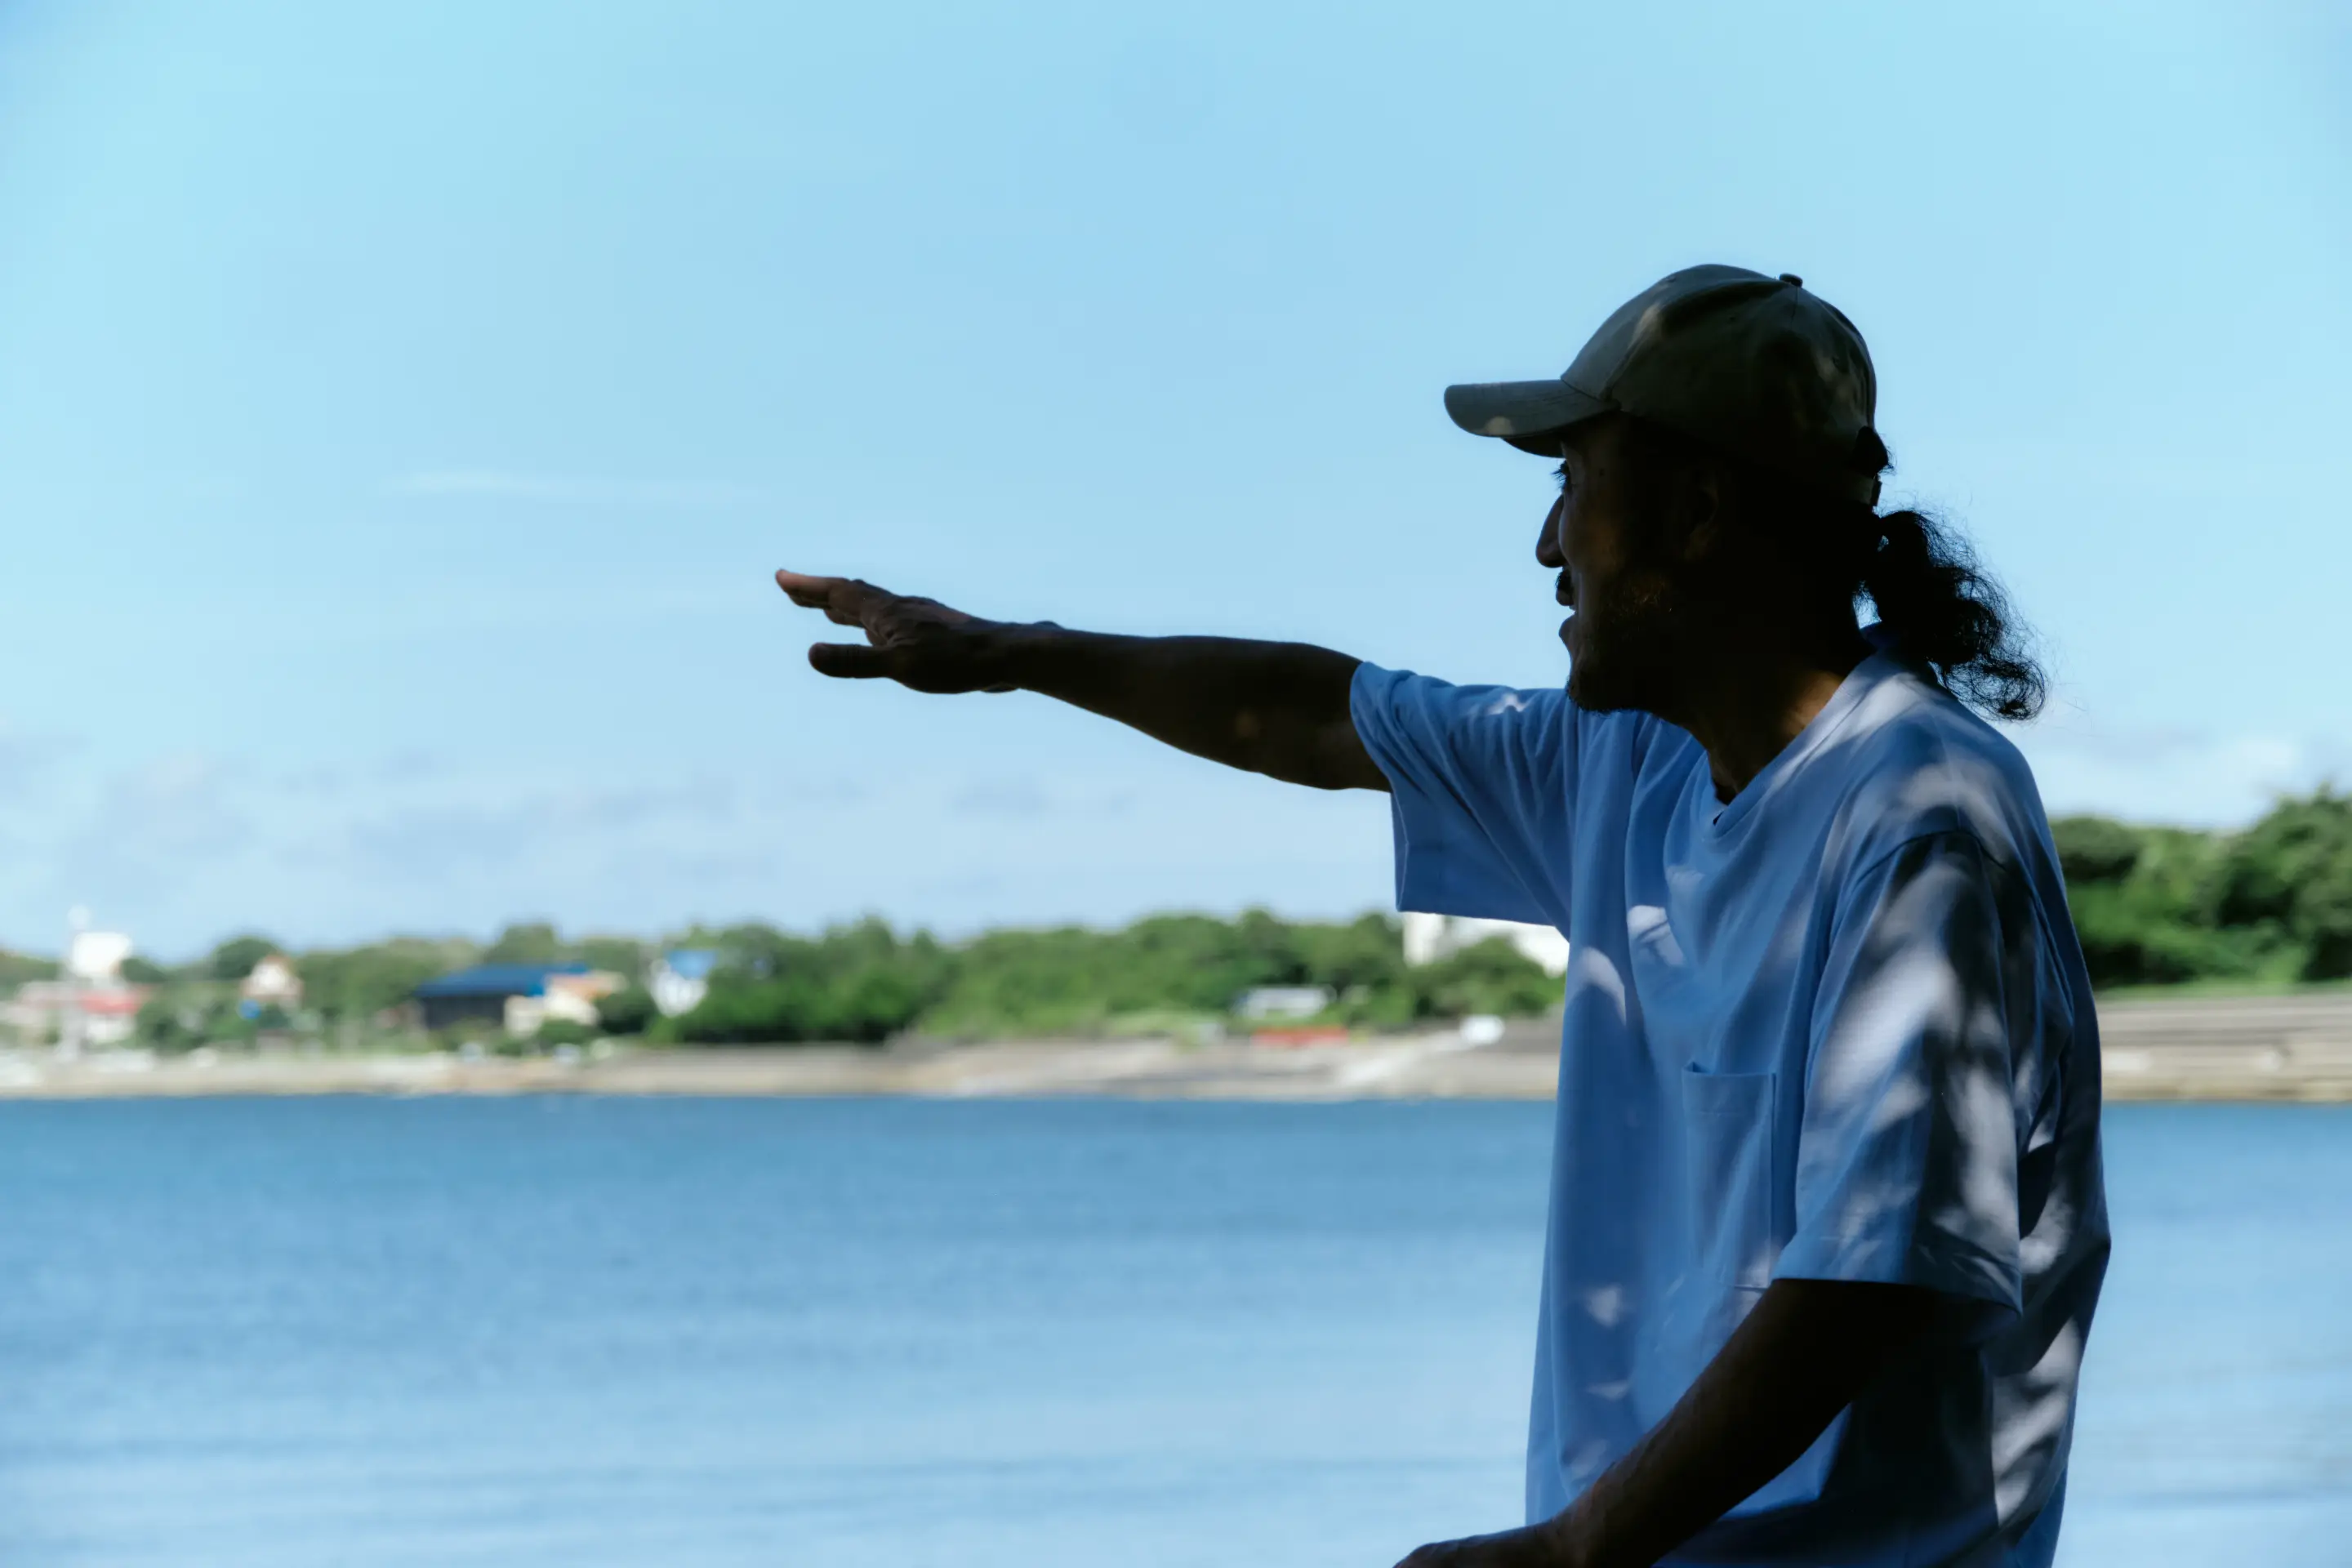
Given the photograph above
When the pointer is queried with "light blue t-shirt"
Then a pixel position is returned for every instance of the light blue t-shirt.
(1837, 1028)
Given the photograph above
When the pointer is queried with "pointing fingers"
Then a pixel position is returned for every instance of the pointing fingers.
(843, 600)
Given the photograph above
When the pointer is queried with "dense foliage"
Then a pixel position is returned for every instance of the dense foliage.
(863, 982)
(2271, 904)
(2160, 905)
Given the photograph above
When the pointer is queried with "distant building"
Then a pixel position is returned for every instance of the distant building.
(572, 998)
(481, 994)
(89, 1004)
(74, 1013)
(272, 983)
(1428, 938)
(110, 1015)
(97, 956)
(681, 979)
(1283, 1002)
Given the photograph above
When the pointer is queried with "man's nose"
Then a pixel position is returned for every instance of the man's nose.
(1547, 540)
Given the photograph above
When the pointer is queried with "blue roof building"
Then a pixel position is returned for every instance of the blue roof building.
(479, 994)
(694, 962)
(681, 979)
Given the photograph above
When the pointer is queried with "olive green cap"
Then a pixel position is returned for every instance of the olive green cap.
(1754, 365)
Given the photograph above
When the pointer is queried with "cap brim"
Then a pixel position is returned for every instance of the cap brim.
(1523, 412)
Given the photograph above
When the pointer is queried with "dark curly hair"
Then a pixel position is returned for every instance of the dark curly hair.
(1944, 609)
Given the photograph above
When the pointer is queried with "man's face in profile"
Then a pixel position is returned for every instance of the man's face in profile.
(1605, 538)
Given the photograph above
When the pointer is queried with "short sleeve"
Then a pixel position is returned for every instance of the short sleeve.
(1908, 1145)
(1481, 784)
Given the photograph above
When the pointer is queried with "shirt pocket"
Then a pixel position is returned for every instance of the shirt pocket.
(1727, 1158)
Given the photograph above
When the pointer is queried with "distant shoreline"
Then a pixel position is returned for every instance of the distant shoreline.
(2296, 1047)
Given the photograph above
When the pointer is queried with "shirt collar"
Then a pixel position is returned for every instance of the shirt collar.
(1725, 817)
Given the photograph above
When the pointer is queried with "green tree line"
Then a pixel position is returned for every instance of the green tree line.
(865, 982)
(2161, 905)
(2271, 904)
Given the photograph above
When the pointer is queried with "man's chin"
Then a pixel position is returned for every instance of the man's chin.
(1592, 686)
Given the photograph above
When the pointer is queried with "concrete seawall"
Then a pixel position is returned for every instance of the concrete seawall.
(2237, 1048)
(2294, 1048)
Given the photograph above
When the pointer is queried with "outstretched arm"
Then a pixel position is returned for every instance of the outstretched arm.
(1803, 1354)
(1278, 709)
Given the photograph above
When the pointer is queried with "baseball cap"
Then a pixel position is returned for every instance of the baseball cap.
(1756, 366)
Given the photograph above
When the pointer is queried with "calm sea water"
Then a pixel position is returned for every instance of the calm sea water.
(593, 1332)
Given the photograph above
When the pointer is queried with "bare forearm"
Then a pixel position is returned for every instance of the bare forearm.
(1279, 709)
(1801, 1356)
(1273, 708)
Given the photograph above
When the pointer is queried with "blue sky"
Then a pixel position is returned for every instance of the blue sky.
(401, 412)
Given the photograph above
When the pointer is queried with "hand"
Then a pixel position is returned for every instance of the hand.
(1536, 1546)
(919, 643)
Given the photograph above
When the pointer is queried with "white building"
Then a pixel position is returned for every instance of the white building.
(1428, 938)
(89, 1004)
(566, 998)
(96, 956)
(681, 979)
(272, 983)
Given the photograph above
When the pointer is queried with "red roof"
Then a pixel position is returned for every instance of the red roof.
(114, 1004)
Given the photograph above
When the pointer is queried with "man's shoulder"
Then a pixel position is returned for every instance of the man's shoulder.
(1918, 763)
(1409, 690)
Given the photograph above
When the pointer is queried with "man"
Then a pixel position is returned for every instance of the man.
(1827, 1217)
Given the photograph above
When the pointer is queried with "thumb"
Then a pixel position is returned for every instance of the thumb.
(851, 661)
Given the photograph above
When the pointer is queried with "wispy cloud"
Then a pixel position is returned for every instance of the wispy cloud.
(169, 827)
(1003, 798)
(2132, 744)
(561, 490)
(1027, 796)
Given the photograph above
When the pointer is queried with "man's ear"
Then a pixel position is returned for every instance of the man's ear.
(1701, 499)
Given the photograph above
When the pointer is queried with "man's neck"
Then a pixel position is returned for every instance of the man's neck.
(1747, 705)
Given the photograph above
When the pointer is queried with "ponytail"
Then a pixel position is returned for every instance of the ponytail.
(1942, 609)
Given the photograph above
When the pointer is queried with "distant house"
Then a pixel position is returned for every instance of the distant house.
(481, 994)
(74, 1013)
(681, 979)
(1428, 938)
(89, 1004)
(571, 998)
(272, 983)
